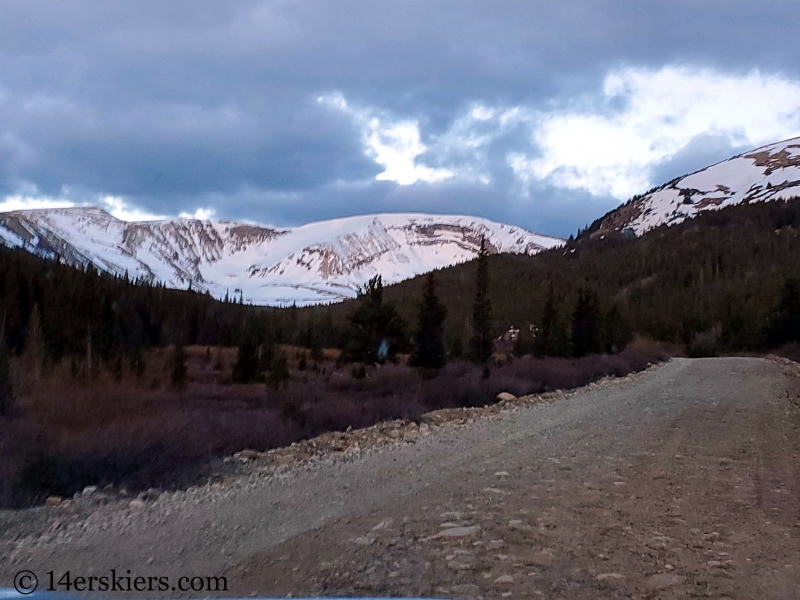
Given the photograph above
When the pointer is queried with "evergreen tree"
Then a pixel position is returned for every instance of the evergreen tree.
(246, 367)
(523, 344)
(316, 349)
(544, 338)
(456, 348)
(429, 350)
(481, 344)
(279, 371)
(137, 362)
(617, 331)
(784, 324)
(586, 324)
(115, 367)
(33, 355)
(6, 382)
(219, 363)
(377, 333)
(178, 363)
(266, 355)
(552, 337)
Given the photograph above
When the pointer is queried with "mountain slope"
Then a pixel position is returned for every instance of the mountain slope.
(767, 173)
(318, 262)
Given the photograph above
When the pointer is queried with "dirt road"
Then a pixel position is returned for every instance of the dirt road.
(680, 483)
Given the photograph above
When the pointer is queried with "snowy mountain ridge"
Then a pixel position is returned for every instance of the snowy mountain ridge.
(770, 172)
(318, 262)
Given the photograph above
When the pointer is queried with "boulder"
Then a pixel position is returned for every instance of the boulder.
(250, 454)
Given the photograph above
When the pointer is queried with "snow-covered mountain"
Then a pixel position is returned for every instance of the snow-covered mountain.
(767, 173)
(318, 262)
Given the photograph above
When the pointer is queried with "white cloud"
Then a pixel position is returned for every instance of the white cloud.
(612, 151)
(23, 202)
(201, 213)
(607, 143)
(466, 145)
(118, 207)
(123, 211)
(394, 144)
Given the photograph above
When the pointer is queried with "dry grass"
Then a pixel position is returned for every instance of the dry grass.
(72, 430)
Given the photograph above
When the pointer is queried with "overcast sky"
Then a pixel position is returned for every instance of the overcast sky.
(541, 114)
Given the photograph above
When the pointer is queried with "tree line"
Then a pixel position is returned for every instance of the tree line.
(717, 283)
(719, 275)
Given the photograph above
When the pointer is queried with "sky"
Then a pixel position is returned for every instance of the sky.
(540, 114)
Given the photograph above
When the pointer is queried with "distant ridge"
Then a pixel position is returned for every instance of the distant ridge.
(318, 262)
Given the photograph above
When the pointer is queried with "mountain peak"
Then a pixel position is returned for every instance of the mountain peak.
(770, 172)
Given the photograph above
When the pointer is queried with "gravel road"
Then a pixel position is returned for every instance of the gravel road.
(679, 482)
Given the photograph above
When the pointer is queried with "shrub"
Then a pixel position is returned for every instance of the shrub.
(67, 434)
(6, 383)
(704, 343)
(279, 371)
(245, 370)
(42, 476)
(178, 364)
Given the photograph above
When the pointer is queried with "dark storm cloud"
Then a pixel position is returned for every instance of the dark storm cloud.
(177, 105)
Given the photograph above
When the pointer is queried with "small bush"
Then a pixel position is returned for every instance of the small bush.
(291, 411)
(704, 343)
(42, 476)
(178, 367)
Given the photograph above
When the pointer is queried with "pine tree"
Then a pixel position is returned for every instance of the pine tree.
(377, 333)
(6, 382)
(33, 355)
(266, 355)
(245, 369)
(456, 348)
(523, 344)
(617, 331)
(587, 324)
(178, 362)
(279, 371)
(481, 344)
(552, 338)
(219, 363)
(316, 350)
(137, 362)
(429, 350)
(784, 325)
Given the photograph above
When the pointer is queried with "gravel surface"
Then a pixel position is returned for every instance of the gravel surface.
(678, 482)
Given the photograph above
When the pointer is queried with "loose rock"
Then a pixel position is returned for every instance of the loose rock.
(661, 581)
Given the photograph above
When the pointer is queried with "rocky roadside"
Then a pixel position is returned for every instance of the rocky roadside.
(695, 505)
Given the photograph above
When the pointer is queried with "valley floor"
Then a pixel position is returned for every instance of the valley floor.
(678, 482)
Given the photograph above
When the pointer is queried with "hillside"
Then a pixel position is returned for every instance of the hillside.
(318, 262)
(767, 173)
(726, 266)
